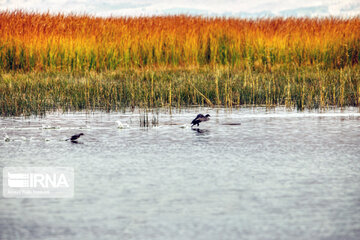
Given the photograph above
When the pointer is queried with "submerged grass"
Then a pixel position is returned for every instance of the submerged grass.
(308, 87)
(145, 121)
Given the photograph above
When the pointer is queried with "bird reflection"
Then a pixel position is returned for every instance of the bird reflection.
(200, 131)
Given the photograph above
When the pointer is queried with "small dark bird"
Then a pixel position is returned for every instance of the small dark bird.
(75, 137)
(200, 118)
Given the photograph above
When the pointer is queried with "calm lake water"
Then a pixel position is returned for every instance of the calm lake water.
(278, 175)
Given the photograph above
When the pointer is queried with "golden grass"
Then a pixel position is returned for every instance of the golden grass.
(32, 41)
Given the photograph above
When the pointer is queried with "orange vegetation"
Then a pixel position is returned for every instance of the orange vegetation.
(32, 41)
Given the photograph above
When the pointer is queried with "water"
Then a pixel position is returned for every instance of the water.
(245, 174)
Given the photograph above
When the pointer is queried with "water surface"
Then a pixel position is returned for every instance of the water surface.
(248, 173)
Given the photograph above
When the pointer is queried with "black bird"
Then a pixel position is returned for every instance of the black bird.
(75, 137)
(200, 118)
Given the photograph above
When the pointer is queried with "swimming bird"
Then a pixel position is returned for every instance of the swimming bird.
(200, 118)
(75, 137)
(120, 125)
(6, 138)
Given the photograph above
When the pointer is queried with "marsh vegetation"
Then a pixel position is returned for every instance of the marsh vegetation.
(74, 62)
(36, 93)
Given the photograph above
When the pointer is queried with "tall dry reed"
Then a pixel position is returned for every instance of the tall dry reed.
(32, 41)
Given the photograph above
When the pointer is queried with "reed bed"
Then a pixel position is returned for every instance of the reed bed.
(75, 62)
(45, 42)
(38, 92)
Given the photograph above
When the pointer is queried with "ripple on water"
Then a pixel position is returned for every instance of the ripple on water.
(247, 173)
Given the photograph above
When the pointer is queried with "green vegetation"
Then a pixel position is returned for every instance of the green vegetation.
(309, 87)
